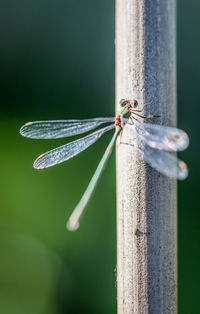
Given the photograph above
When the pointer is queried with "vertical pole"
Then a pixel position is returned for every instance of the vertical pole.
(146, 200)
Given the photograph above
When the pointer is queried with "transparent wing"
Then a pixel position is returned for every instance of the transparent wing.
(67, 151)
(60, 128)
(161, 137)
(164, 162)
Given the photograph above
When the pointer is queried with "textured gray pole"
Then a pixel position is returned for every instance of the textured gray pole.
(146, 200)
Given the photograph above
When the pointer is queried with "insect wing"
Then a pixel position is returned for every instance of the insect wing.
(164, 162)
(161, 137)
(60, 128)
(67, 151)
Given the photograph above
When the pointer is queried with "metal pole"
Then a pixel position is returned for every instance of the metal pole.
(146, 200)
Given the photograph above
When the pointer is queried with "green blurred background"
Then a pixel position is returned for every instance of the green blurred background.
(57, 62)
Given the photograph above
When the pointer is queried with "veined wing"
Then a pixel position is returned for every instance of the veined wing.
(67, 151)
(61, 128)
(161, 137)
(164, 162)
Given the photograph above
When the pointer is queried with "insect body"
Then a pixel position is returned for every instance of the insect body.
(155, 141)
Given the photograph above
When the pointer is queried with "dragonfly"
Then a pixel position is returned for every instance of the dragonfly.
(155, 143)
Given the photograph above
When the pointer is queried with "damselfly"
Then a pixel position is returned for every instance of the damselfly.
(154, 142)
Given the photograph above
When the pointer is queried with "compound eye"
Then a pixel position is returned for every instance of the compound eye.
(123, 102)
(135, 103)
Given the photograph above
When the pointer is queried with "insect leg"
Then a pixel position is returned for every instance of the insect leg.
(144, 117)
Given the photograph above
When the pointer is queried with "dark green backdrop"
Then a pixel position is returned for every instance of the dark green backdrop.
(57, 62)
